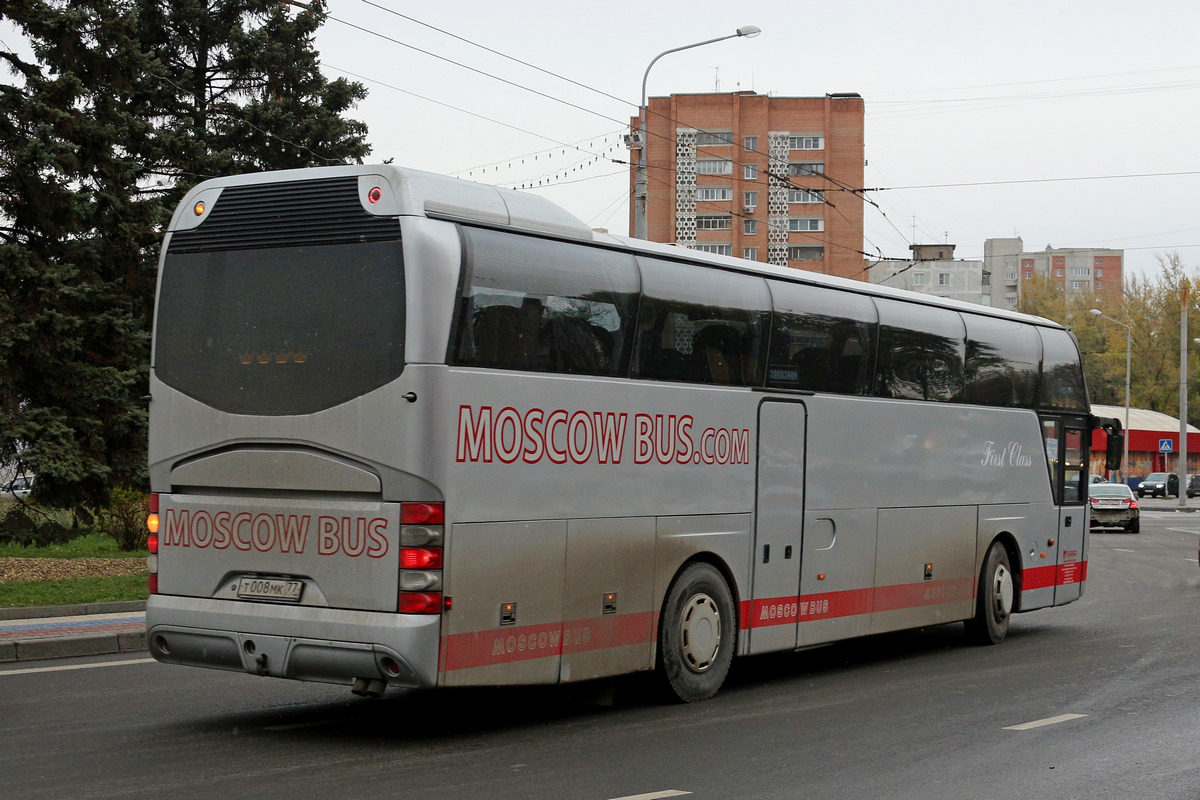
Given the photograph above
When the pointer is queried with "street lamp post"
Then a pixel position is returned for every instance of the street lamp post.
(641, 184)
(1128, 351)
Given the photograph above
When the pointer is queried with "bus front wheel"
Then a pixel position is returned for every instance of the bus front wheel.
(994, 602)
(697, 633)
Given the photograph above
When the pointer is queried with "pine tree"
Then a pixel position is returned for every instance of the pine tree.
(123, 106)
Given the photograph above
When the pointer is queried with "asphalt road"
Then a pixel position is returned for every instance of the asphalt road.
(913, 715)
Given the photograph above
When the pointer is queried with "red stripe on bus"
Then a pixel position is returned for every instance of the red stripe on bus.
(509, 645)
(1054, 575)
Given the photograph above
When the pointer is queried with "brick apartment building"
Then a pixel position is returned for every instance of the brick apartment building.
(758, 177)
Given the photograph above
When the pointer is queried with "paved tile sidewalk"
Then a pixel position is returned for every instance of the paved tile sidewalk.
(29, 639)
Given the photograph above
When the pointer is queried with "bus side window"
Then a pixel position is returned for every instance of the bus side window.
(1062, 387)
(922, 350)
(701, 325)
(541, 305)
(1002, 362)
(822, 340)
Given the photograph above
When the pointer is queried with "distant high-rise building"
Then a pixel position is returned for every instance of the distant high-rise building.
(1092, 270)
(765, 178)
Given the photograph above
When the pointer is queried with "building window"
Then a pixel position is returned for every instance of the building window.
(1010, 301)
(807, 168)
(801, 224)
(751, 144)
(719, 249)
(918, 279)
(715, 223)
(750, 172)
(1028, 274)
(714, 166)
(1080, 284)
(1099, 286)
(1099, 272)
(1058, 273)
(750, 200)
(714, 193)
(806, 142)
(713, 137)
(806, 254)
(805, 196)
(750, 253)
(1080, 272)
(750, 227)
(943, 279)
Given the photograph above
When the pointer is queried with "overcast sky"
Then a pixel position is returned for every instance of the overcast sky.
(983, 120)
(969, 94)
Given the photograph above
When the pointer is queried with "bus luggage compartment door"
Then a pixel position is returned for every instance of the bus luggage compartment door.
(779, 523)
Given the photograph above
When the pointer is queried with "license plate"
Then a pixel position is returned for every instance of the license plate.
(270, 589)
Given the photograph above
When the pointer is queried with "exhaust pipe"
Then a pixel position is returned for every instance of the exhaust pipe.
(368, 687)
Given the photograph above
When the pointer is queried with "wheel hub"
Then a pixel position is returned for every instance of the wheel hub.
(1002, 592)
(700, 632)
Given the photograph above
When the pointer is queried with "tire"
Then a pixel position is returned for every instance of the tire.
(697, 634)
(1135, 526)
(1141, 493)
(994, 602)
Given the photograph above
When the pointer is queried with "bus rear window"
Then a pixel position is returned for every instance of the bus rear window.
(287, 330)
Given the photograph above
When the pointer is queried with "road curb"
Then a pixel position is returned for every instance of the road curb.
(78, 610)
(73, 646)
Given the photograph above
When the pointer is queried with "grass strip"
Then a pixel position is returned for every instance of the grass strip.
(71, 591)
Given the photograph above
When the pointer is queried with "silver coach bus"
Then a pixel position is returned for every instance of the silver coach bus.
(413, 431)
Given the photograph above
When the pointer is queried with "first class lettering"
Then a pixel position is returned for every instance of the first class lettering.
(279, 533)
(559, 436)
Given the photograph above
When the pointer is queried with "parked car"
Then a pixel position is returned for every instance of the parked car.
(1159, 484)
(1113, 506)
(1097, 479)
(18, 487)
(1193, 487)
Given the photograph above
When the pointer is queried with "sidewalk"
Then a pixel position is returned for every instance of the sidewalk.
(31, 634)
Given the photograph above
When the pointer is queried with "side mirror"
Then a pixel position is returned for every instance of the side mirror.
(1115, 446)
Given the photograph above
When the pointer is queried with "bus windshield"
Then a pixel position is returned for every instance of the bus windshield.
(284, 330)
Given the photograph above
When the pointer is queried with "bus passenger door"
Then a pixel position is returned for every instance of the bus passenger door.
(778, 531)
(1067, 443)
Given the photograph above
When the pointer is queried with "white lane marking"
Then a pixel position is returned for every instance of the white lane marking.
(1041, 723)
(32, 670)
(653, 795)
(1121, 550)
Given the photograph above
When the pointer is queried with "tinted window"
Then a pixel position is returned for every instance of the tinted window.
(288, 330)
(535, 304)
(701, 325)
(1062, 385)
(1003, 358)
(821, 340)
(921, 352)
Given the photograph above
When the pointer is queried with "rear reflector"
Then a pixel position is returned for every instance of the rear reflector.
(419, 603)
(152, 584)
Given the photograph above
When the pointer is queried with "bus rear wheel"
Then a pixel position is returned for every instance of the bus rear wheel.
(994, 601)
(697, 633)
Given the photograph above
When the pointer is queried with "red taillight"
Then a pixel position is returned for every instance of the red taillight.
(152, 543)
(152, 584)
(152, 501)
(421, 558)
(1094, 501)
(422, 514)
(419, 603)
(1133, 503)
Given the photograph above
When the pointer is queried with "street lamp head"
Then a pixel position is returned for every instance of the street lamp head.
(749, 31)
(1096, 312)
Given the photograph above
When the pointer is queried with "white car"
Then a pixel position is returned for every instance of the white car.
(18, 487)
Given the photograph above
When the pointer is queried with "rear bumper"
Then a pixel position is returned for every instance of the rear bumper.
(297, 642)
(1112, 519)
